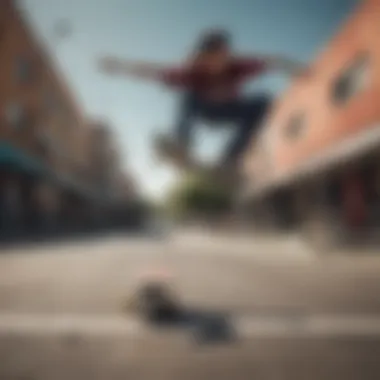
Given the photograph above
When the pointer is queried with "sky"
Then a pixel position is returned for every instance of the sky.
(164, 31)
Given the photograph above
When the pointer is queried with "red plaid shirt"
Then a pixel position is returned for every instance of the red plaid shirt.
(202, 82)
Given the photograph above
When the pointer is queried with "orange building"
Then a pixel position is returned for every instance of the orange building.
(323, 137)
(327, 118)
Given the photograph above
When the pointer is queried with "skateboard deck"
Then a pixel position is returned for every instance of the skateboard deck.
(170, 152)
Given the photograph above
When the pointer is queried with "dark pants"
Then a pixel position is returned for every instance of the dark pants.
(245, 115)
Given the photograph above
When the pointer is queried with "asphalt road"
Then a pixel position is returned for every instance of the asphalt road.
(294, 315)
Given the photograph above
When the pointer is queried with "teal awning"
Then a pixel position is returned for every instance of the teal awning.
(17, 160)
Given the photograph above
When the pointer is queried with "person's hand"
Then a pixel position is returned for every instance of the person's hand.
(110, 65)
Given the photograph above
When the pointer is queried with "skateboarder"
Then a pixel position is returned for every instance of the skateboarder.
(210, 83)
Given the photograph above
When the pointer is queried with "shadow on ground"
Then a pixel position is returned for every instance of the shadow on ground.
(204, 327)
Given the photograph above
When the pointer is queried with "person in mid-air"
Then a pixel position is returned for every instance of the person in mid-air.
(210, 83)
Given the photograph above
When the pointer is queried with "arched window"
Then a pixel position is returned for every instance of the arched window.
(352, 80)
(15, 115)
(50, 102)
(295, 127)
(23, 70)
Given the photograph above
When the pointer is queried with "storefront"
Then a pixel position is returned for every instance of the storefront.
(19, 175)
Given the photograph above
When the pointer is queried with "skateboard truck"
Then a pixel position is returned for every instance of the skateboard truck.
(169, 151)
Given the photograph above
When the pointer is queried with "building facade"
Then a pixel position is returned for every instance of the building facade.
(321, 120)
(105, 161)
(315, 164)
(44, 149)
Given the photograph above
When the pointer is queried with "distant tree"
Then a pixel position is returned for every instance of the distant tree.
(199, 196)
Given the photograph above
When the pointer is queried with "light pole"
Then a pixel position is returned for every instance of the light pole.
(61, 30)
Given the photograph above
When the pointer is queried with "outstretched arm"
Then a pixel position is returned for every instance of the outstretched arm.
(289, 66)
(170, 76)
(116, 66)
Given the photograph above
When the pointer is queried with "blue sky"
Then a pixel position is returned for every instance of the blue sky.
(164, 31)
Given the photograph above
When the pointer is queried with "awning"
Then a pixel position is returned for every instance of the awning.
(17, 160)
(350, 148)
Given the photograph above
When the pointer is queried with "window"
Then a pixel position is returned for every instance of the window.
(48, 139)
(42, 144)
(295, 127)
(50, 101)
(2, 29)
(351, 81)
(264, 147)
(71, 122)
(23, 70)
(43, 137)
(15, 115)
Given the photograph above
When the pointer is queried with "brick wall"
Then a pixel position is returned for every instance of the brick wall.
(37, 109)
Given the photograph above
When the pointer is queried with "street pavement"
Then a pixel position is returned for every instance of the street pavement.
(293, 314)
